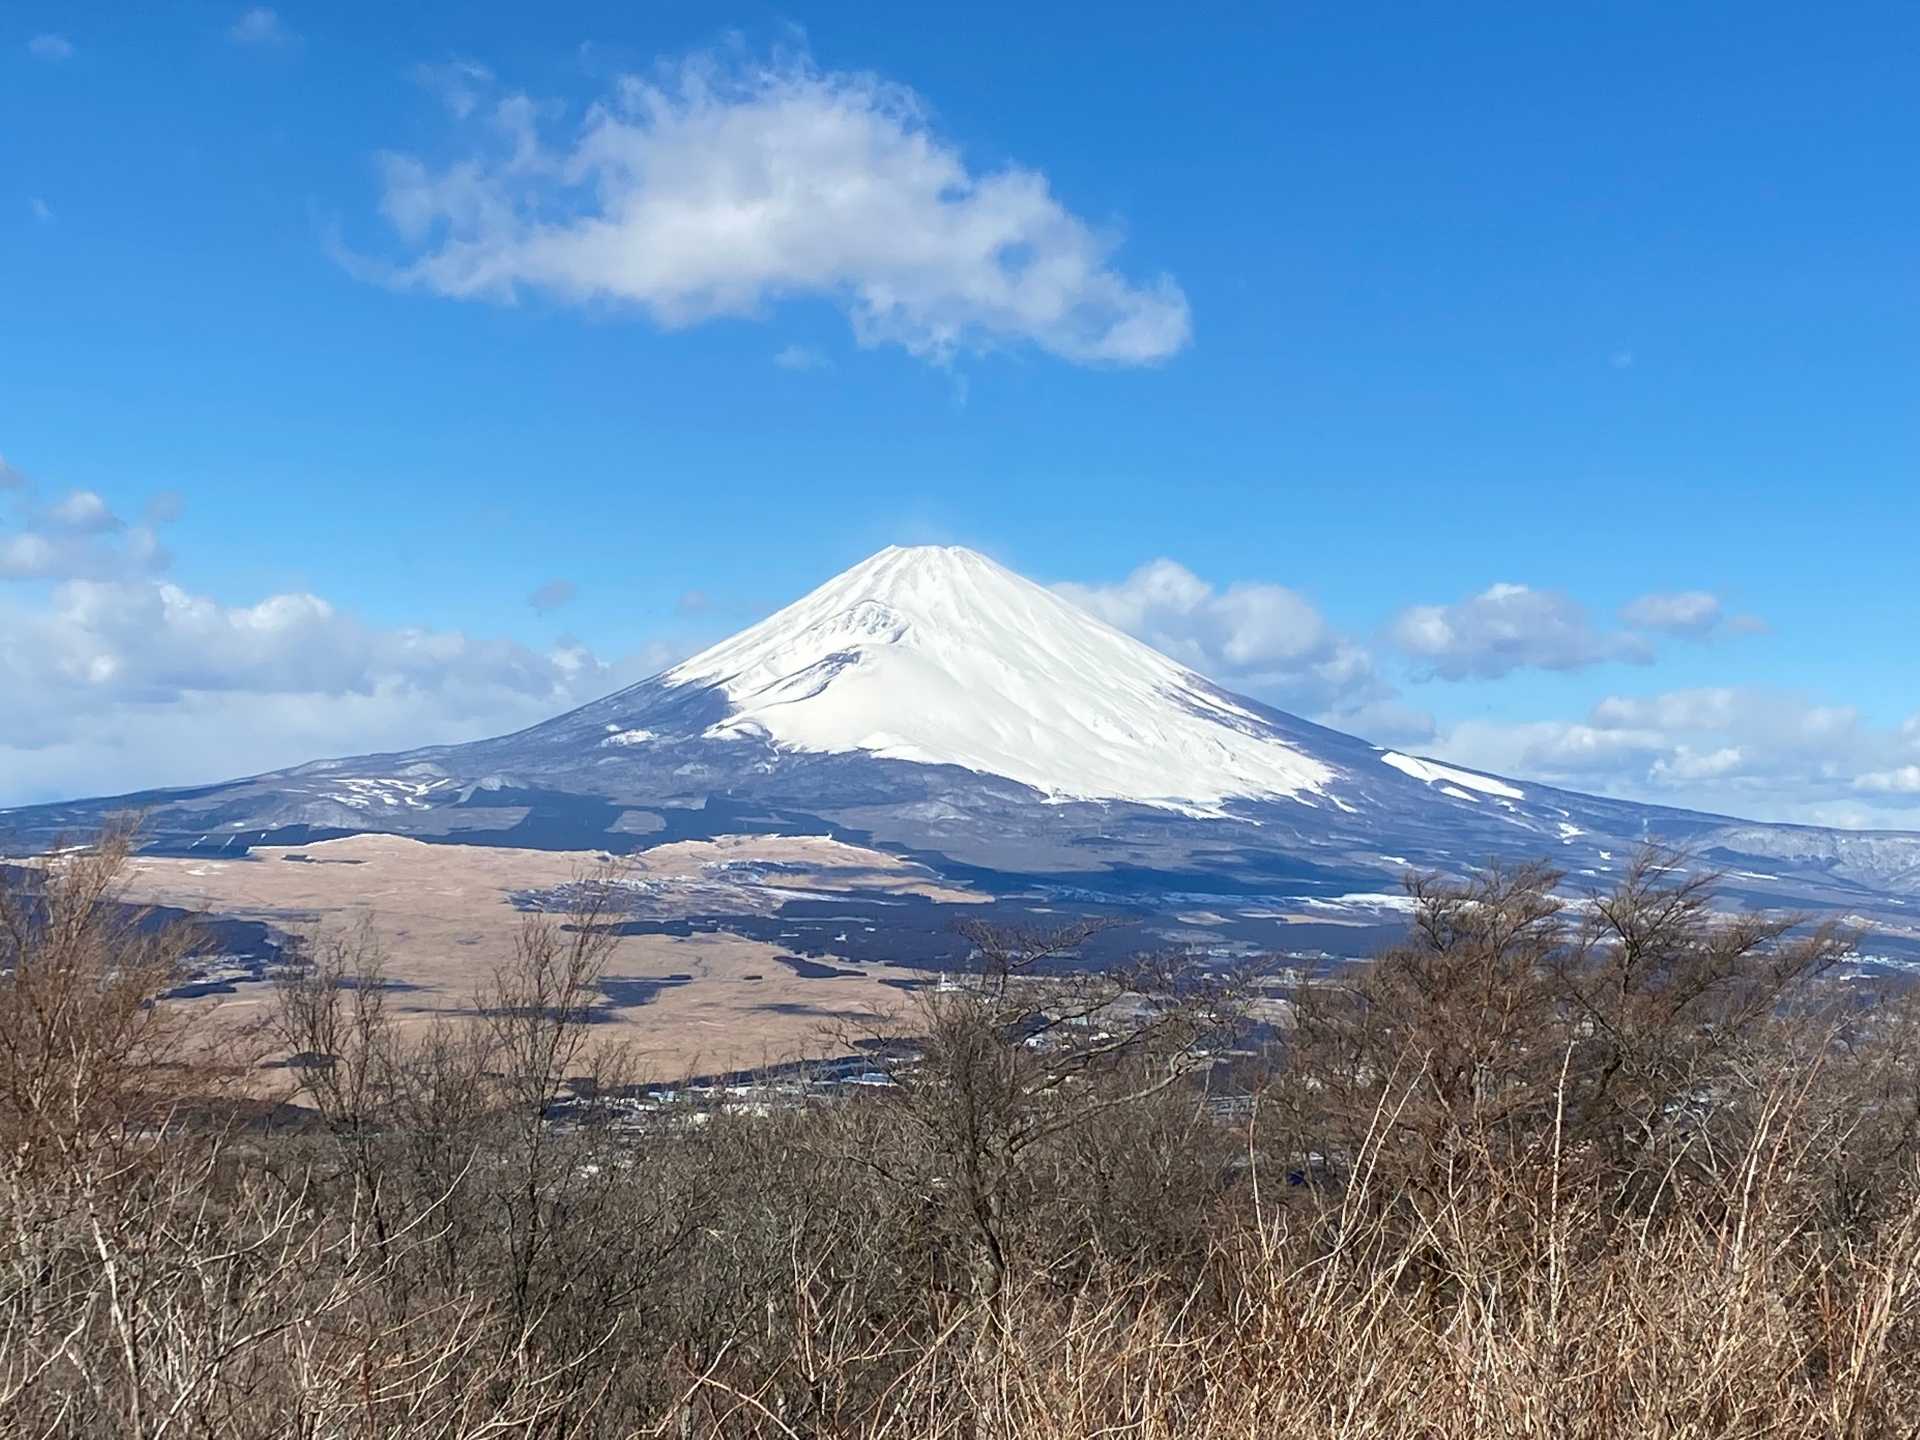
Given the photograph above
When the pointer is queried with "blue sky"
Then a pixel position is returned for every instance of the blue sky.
(1532, 386)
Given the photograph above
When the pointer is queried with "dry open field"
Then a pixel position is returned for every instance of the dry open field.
(697, 1004)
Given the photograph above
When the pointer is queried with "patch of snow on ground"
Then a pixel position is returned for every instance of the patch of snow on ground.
(362, 793)
(1362, 900)
(628, 737)
(1437, 774)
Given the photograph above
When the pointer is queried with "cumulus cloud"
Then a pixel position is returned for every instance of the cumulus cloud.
(108, 685)
(1683, 612)
(75, 536)
(1509, 627)
(114, 676)
(156, 641)
(717, 189)
(50, 47)
(1904, 780)
(83, 511)
(552, 595)
(1695, 614)
(1758, 753)
(1255, 636)
(262, 28)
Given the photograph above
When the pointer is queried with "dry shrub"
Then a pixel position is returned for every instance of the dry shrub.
(1627, 1168)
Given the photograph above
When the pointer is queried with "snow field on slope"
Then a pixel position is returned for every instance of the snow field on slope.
(940, 656)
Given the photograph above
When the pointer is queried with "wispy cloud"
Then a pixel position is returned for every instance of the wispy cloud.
(165, 507)
(801, 357)
(460, 84)
(1681, 612)
(262, 28)
(552, 595)
(720, 188)
(50, 47)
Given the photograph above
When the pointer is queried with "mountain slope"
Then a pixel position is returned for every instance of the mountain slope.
(941, 657)
(931, 701)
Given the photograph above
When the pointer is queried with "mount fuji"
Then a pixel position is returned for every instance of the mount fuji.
(930, 702)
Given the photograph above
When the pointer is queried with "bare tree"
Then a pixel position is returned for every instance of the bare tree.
(330, 1019)
(1516, 1030)
(538, 1009)
(1002, 1065)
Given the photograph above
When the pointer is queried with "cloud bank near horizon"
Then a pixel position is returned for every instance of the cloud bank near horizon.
(116, 675)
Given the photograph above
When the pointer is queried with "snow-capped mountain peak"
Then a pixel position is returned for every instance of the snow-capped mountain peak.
(936, 654)
(812, 722)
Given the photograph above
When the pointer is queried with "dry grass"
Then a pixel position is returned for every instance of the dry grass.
(1528, 1177)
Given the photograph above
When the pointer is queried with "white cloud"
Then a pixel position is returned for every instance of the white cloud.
(1757, 753)
(717, 190)
(1707, 709)
(1695, 614)
(1509, 627)
(158, 641)
(261, 27)
(83, 511)
(114, 677)
(1686, 765)
(50, 47)
(32, 555)
(78, 536)
(801, 357)
(1904, 780)
(40, 210)
(1682, 612)
(1263, 638)
(109, 685)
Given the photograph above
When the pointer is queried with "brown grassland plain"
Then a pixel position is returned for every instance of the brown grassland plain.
(442, 916)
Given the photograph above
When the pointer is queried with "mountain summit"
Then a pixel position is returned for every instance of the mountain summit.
(937, 655)
(932, 702)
